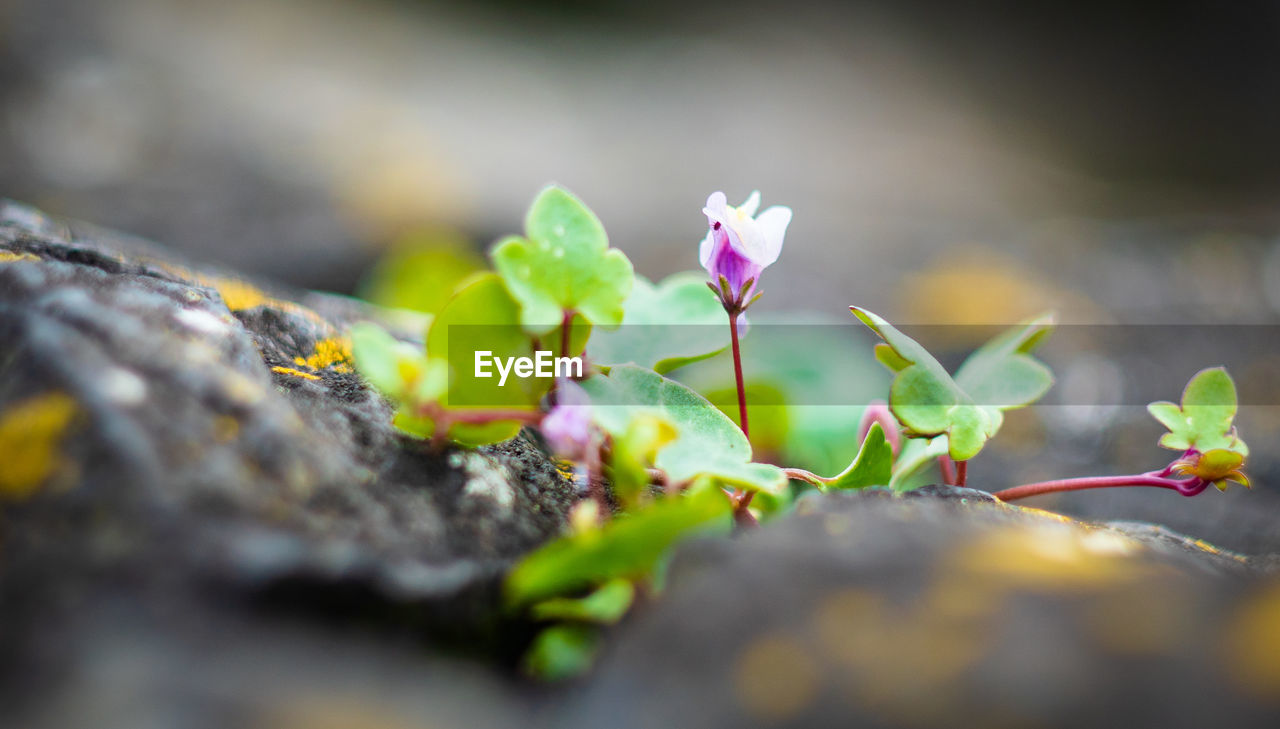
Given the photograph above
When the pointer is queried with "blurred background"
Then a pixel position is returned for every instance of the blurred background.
(947, 163)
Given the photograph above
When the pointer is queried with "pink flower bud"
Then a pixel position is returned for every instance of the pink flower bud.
(567, 427)
(878, 412)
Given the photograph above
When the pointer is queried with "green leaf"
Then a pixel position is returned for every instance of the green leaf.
(924, 398)
(917, 454)
(627, 547)
(1002, 374)
(483, 317)
(633, 453)
(1204, 421)
(398, 370)
(670, 325)
(563, 264)
(606, 605)
(800, 367)
(561, 652)
(872, 467)
(420, 272)
(999, 376)
(707, 442)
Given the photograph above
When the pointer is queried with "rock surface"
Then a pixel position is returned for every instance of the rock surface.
(175, 440)
(947, 608)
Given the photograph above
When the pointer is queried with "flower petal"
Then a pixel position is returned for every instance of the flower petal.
(705, 250)
(772, 225)
(752, 204)
(717, 205)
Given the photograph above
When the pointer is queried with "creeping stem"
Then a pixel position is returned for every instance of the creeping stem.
(1158, 479)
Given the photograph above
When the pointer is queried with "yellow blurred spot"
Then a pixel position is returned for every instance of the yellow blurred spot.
(225, 428)
(295, 373)
(1252, 644)
(1052, 558)
(324, 712)
(29, 436)
(775, 678)
(1137, 620)
(978, 286)
(11, 257)
(332, 352)
(841, 621)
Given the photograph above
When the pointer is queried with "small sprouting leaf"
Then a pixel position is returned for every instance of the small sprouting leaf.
(672, 324)
(561, 652)
(707, 441)
(483, 317)
(1000, 376)
(872, 467)
(627, 547)
(606, 605)
(398, 370)
(924, 398)
(1204, 421)
(916, 455)
(634, 452)
(563, 264)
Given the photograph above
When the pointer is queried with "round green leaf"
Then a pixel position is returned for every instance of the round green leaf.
(1204, 421)
(563, 264)
(707, 443)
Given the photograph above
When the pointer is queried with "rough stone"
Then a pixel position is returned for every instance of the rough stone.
(188, 438)
(946, 608)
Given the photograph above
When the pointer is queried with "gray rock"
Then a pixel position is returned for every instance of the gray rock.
(946, 608)
(177, 441)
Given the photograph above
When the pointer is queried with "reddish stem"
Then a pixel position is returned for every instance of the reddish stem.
(1186, 486)
(799, 474)
(737, 373)
(742, 500)
(962, 472)
(948, 468)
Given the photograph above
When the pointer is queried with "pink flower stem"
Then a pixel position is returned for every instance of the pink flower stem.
(1157, 479)
(741, 500)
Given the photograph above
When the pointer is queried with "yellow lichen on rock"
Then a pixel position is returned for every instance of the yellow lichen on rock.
(333, 352)
(240, 296)
(30, 433)
(236, 294)
(294, 373)
(11, 257)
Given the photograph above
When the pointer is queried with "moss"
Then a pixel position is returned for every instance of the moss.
(30, 433)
